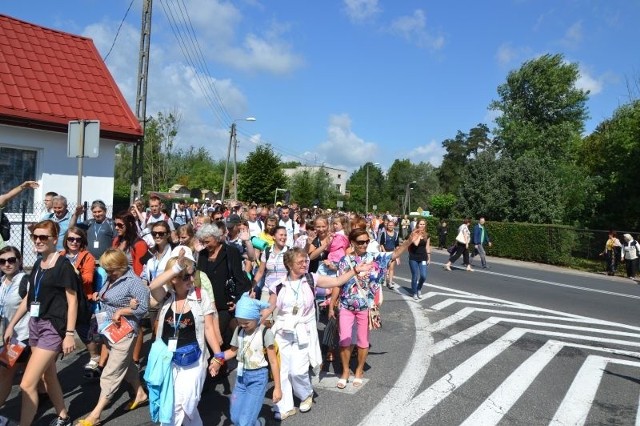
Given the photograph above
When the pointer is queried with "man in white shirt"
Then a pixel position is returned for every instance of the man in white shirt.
(255, 224)
(292, 228)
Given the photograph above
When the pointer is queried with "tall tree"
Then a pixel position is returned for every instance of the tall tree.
(160, 134)
(260, 175)
(301, 185)
(541, 108)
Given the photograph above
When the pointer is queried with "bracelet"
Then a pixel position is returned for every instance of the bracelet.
(217, 361)
(70, 333)
(219, 355)
(176, 268)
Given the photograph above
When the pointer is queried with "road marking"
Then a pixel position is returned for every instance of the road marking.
(557, 284)
(491, 411)
(576, 404)
(399, 396)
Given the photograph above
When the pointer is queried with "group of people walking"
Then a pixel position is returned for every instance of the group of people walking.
(210, 290)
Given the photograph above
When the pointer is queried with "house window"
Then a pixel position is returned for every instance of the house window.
(16, 166)
(339, 176)
(338, 187)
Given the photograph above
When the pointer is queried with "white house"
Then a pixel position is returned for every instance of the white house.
(48, 78)
(338, 176)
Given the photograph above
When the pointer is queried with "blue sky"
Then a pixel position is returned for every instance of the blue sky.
(343, 82)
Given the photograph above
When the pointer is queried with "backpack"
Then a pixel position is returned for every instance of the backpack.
(310, 282)
(5, 227)
(266, 356)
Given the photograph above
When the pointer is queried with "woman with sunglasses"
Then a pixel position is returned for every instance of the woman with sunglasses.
(75, 249)
(122, 299)
(53, 307)
(358, 295)
(186, 326)
(161, 253)
(13, 288)
(127, 240)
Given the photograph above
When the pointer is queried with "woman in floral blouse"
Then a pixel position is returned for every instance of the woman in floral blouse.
(357, 296)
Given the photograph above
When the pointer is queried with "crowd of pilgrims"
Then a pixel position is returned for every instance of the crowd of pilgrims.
(210, 283)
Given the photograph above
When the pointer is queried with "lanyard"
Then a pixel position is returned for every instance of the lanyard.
(157, 262)
(176, 325)
(4, 295)
(96, 232)
(36, 287)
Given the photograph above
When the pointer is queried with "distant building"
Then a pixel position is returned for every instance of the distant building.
(338, 176)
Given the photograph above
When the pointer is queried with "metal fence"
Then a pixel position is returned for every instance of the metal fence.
(28, 215)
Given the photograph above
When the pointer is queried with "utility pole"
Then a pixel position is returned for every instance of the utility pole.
(226, 166)
(235, 171)
(141, 98)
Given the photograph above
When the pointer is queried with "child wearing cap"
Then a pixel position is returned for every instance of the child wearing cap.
(248, 345)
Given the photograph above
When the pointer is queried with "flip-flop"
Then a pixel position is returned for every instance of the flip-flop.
(137, 404)
(85, 422)
(357, 382)
(342, 383)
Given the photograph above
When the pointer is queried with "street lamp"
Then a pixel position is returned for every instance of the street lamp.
(407, 196)
(234, 140)
(366, 210)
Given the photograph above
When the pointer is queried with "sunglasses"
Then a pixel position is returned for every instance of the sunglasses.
(158, 234)
(74, 240)
(362, 242)
(119, 225)
(10, 260)
(43, 238)
(187, 276)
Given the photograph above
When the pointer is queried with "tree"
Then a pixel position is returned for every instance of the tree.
(301, 185)
(357, 187)
(160, 133)
(541, 109)
(442, 205)
(611, 155)
(260, 175)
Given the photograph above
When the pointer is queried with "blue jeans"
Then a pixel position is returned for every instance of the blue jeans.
(247, 397)
(418, 275)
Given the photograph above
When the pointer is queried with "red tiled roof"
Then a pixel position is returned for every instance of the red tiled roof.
(49, 77)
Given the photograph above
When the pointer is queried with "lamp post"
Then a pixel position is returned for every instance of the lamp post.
(407, 196)
(366, 209)
(234, 140)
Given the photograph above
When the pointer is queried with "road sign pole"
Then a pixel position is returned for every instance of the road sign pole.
(80, 161)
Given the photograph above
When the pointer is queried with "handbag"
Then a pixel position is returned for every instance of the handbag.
(187, 355)
(452, 249)
(375, 321)
(230, 284)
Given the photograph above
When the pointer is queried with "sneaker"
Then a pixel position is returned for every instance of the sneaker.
(391, 285)
(59, 421)
(419, 295)
(92, 364)
(305, 405)
(280, 417)
(415, 297)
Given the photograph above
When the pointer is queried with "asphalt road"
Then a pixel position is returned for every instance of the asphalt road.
(520, 344)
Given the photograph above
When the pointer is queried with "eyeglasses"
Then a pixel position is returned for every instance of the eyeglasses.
(302, 262)
(10, 260)
(74, 240)
(119, 225)
(217, 218)
(187, 276)
(158, 234)
(37, 237)
(362, 242)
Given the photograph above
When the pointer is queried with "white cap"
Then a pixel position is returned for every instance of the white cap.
(195, 200)
(188, 254)
(217, 202)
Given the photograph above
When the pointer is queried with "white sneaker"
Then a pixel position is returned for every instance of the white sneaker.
(415, 297)
(419, 295)
(305, 405)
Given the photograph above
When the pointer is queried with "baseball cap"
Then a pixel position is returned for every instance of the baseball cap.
(233, 219)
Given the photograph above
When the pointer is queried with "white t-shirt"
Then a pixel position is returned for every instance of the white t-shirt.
(255, 228)
(292, 229)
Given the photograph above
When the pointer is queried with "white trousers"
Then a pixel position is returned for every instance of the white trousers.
(188, 383)
(294, 371)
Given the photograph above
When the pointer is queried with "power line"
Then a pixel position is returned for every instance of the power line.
(118, 32)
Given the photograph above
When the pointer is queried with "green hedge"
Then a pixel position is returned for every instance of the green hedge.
(551, 244)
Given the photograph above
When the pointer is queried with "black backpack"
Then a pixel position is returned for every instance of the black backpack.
(5, 227)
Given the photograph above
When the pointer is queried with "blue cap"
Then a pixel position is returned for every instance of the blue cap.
(248, 308)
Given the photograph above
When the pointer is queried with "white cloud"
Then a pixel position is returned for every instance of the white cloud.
(431, 152)
(588, 82)
(413, 28)
(343, 148)
(507, 54)
(573, 36)
(361, 10)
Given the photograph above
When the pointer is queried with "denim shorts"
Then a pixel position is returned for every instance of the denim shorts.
(43, 335)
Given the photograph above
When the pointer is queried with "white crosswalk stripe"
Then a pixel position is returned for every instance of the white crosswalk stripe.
(602, 342)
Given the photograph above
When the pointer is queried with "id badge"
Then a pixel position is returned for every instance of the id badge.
(96, 244)
(34, 310)
(240, 369)
(172, 344)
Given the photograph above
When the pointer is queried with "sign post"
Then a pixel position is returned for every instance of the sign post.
(83, 140)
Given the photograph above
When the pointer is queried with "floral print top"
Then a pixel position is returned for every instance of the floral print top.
(359, 292)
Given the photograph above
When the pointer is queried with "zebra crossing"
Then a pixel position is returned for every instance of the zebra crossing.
(479, 360)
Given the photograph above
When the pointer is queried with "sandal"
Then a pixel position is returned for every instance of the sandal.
(137, 404)
(342, 383)
(85, 422)
(357, 382)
